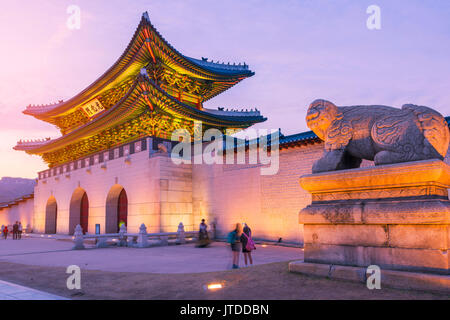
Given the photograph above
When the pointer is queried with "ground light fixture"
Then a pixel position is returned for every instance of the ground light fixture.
(214, 286)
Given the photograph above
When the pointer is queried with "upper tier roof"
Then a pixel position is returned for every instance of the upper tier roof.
(147, 45)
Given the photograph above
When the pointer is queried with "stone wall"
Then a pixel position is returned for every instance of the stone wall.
(269, 204)
(162, 194)
(22, 211)
(158, 192)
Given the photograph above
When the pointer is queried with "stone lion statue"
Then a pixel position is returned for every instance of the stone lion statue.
(381, 134)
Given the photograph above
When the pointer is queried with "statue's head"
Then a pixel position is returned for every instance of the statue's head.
(321, 114)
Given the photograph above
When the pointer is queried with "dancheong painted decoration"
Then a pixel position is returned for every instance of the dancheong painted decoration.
(151, 90)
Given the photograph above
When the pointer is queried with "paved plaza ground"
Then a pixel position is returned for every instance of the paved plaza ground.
(11, 291)
(173, 272)
(172, 259)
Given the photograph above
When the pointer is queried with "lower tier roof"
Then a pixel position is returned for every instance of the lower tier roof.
(143, 95)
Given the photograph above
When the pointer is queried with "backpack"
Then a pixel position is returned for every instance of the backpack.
(250, 243)
(231, 237)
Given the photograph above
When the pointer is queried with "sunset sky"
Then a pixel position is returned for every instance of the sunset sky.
(300, 50)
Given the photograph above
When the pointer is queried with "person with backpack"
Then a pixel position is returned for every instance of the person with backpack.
(5, 232)
(233, 239)
(248, 245)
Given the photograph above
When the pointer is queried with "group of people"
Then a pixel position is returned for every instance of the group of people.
(16, 231)
(241, 240)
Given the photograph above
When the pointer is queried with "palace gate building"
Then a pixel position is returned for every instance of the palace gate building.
(112, 162)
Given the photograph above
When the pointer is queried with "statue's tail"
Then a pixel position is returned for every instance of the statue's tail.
(434, 126)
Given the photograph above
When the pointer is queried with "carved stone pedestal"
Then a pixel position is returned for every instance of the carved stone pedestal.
(393, 216)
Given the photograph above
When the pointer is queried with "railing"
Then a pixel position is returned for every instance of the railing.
(136, 240)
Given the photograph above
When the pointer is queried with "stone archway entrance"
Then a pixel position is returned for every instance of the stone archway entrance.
(79, 210)
(116, 209)
(51, 215)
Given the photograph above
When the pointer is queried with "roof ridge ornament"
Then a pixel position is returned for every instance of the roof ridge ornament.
(146, 16)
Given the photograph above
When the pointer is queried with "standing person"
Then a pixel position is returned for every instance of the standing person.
(5, 232)
(203, 238)
(233, 240)
(15, 229)
(248, 245)
(19, 230)
(121, 223)
(203, 226)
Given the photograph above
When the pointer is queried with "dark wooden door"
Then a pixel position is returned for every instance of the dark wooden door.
(122, 210)
(55, 218)
(84, 213)
(50, 219)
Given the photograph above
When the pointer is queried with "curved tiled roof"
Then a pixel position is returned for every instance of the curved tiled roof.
(222, 68)
(239, 119)
(16, 201)
(144, 45)
(133, 104)
(299, 137)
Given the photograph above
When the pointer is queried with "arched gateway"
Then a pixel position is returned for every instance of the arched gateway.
(116, 209)
(150, 91)
(51, 214)
(79, 210)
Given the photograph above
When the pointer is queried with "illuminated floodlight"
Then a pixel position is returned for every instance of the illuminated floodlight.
(214, 286)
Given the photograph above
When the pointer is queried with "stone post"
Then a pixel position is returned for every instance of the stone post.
(181, 239)
(101, 242)
(78, 238)
(122, 231)
(142, 241)
(164, 240)
(131, 241)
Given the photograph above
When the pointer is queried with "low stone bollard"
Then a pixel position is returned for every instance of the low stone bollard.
(181, 237)
(142, 241)
(122, 241)
(78, 238)
(102, 242)
(131, 241)
(164, 240)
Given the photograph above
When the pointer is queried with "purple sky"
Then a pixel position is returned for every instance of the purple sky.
(300, 50)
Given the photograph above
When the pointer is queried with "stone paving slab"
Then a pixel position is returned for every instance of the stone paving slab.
(11, 291)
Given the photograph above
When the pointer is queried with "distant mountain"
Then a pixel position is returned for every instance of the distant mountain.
(13, 188)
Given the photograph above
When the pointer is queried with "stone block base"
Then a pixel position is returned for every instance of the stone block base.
(389, 278)
(394, 216)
